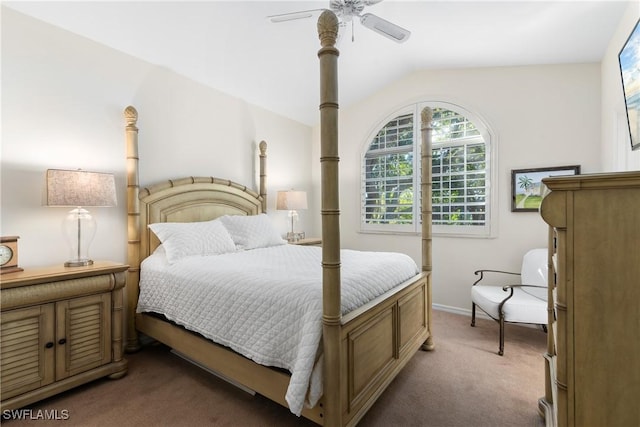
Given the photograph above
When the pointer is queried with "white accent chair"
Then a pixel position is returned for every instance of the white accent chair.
(524, 302)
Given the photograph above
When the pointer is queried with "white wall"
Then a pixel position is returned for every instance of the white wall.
(63, 98)
(540, 116)
(616, 147)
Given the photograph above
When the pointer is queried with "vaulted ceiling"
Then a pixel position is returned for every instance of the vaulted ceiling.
(232, 47)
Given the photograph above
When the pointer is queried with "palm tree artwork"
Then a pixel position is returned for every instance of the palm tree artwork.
(528, 189)
(526, 184)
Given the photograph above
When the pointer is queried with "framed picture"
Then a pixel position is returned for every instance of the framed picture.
(527, 188)
(629, 59)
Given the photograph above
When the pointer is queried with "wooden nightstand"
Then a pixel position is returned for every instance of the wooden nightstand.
(310, 241)
(61, 327)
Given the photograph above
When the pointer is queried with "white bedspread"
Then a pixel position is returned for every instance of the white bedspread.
(266, 303)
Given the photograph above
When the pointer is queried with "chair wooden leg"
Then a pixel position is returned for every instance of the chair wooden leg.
(501, 351)
(473, 314)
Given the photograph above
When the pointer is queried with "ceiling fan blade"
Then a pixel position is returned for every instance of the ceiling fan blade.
(371, 2)
(385, 28)
(303, 14)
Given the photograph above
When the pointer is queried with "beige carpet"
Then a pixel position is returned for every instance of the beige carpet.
(462, 383)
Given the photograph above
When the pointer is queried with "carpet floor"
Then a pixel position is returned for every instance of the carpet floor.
(462, 383)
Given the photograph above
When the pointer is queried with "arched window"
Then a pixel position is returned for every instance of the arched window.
(461, 166)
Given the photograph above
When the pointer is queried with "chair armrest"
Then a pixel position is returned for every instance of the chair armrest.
(511, 287)
(505, 287)
(481, 273)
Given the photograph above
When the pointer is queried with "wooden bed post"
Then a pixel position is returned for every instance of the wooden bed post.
(426, 188)
(133, 227)
(263, 174)
(331, 306)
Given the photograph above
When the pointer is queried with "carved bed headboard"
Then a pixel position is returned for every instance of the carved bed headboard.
(189, 200)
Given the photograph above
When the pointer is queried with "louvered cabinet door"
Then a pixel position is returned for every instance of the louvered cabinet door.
(83, 334)
(27, 349)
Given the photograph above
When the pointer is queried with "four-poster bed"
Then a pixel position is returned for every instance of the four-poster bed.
(362, 349)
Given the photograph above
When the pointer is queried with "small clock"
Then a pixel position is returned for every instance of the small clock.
(9, 254)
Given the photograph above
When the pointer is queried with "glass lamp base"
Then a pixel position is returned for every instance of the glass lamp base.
(78, 263)
(79, 227)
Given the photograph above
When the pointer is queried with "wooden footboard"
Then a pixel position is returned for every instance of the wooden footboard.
(377, 342)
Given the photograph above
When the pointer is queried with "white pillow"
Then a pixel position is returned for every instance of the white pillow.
(252, 231)
(183, 239)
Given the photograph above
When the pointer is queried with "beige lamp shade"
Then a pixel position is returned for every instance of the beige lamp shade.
(291, 200)
(80, 188)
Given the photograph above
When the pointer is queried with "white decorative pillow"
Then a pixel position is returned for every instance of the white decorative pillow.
(183, 239)
(252, 231)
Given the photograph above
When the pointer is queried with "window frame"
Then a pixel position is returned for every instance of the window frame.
(489, 229)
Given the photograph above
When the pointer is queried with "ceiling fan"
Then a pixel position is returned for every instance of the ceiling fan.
(346, 11)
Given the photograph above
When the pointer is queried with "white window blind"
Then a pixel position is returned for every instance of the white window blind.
(458, 171)
(388, 178)
(390, 175)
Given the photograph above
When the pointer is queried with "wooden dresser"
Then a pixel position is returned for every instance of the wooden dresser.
(61, 327)
(593, 354)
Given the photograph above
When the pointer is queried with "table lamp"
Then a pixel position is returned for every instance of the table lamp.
(79, 189)
(292, 201)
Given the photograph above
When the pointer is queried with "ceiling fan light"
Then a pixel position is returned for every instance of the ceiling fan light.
(385, 28)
